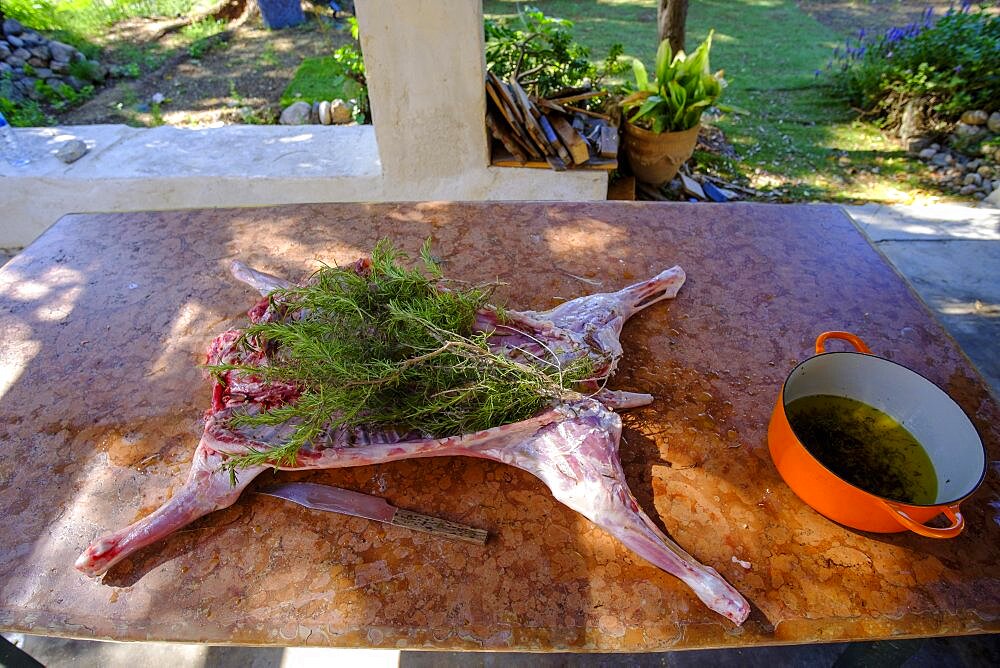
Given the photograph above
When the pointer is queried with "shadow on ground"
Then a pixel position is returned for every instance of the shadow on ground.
(965, 652)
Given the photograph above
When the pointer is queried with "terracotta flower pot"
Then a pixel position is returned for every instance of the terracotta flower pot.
(656, 157)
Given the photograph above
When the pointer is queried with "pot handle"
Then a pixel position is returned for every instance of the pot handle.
(853, 339)
(951, 512)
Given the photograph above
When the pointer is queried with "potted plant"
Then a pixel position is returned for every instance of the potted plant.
(662, 118)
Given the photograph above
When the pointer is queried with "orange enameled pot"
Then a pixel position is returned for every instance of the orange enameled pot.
(930, 415)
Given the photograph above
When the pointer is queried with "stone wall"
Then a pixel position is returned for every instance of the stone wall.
(27, 58)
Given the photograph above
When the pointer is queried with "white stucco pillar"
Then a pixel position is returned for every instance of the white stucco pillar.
(425, 68)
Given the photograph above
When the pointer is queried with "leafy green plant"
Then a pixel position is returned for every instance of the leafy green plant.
(137, 59)
(339, 76)
(948, 65)
(683, 88)
(86, 70)
(200, 34)
(18, 112)
(71, 97)
(156, 114)
(541, 49)
(317, 79)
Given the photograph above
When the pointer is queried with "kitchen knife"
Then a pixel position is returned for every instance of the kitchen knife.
(344, 501)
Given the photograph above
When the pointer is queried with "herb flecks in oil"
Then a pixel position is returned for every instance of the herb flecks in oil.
(865, 447)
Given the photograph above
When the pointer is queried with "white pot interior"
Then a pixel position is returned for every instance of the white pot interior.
(921, 407)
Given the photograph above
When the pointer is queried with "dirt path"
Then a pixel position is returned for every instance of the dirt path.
(239, 80)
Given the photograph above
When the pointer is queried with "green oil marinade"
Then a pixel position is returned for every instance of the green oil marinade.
(865, 447)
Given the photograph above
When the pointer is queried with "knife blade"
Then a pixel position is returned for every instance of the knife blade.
(348, 502)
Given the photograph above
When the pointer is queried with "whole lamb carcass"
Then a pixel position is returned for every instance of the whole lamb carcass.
(572, 446)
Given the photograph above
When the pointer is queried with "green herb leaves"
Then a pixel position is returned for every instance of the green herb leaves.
(389, 347)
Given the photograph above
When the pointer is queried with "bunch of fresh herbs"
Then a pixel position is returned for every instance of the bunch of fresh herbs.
(391, 348)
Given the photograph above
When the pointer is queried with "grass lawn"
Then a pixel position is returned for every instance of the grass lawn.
(798, 141)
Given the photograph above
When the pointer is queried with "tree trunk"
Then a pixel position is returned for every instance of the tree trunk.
(671, 16)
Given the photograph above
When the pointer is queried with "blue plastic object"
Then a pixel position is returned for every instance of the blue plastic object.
(713, 193)
(281, 13)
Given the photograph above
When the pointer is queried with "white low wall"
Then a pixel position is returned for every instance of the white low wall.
(425, 68)
(129, 169)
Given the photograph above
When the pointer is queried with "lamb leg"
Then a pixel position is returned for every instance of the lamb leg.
(574, 450)
(578, 460)
(207, 488)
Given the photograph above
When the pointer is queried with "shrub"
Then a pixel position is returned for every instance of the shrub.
(544, 46)
(948, 65)
(340, 76)
(21, 112)
(86, 70)
(200, 34)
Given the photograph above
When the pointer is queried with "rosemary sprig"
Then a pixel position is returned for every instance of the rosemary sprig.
(392, 350)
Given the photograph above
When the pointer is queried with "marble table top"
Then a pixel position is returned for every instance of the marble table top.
(105, 319)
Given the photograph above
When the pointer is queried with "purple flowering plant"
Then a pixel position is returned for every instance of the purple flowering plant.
(948, 62)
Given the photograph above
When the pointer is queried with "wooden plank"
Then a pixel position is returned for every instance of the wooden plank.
(491, 90)
(504, 93)
(513, 132)
(510, 161)
(553, 138)
(550, 105)
(505, 136)
(574, 141)
(622, 188)
(503, 158)
(530, 123)
(577, 98)
(500, 96)
(556, 163)
(588, 112)
(514, 115)
(605, 164)
(607, 142)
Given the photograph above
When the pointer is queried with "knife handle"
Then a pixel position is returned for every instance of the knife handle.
(438, 526)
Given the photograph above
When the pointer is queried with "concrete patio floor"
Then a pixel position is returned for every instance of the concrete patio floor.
(967, 652)
(949, 254)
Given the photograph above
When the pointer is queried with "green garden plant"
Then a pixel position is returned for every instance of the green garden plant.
(542, 49)
(200, 34)
(948, 65)
(683, 88)
(338, 76)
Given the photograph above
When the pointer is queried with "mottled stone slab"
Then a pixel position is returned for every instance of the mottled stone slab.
(105, 319)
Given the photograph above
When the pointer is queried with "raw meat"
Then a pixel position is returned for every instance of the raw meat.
(572, 448)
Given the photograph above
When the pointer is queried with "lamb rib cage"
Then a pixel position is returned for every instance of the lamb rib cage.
(572, 448)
